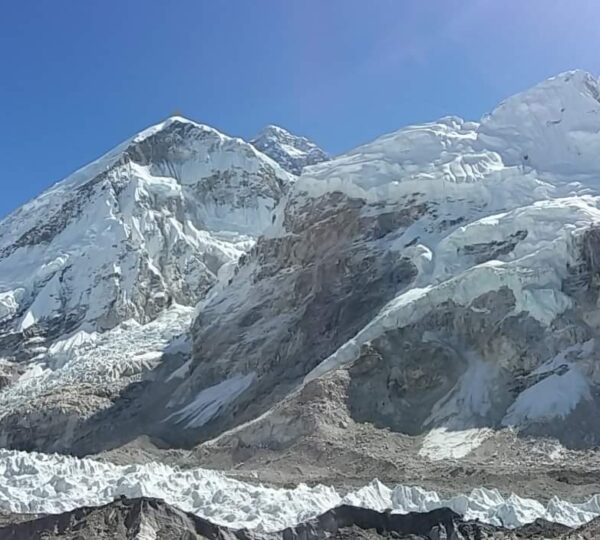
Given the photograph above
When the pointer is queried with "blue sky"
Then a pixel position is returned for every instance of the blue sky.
(77, 77)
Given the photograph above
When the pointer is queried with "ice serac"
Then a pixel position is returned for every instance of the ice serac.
(136, 238)
(440, 270)
(146, 518)
(292, 152)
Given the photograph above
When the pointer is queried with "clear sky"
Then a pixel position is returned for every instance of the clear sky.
(78, 76)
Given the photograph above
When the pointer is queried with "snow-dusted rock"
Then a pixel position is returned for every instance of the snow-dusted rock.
(147, 225)
(440, 269)
(293, 153)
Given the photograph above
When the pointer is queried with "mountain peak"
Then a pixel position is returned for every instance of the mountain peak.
(291, 151)
(85, 251)
(552, 126)
(169, 123)
(274, 129)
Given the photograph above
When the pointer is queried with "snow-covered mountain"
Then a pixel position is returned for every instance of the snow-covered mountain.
(186, 287)
(293, 153)
(449, 269)
(149, 224)
(125, 247)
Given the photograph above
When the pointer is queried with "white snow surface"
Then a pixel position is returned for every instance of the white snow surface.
(565, 384)
(555, 396)
(533, 140)
(551, 127)
(440, 443)
(40, 483)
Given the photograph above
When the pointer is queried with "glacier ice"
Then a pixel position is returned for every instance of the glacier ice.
(40, 483)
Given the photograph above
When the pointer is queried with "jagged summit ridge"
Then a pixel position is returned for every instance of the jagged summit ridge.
(292, 152)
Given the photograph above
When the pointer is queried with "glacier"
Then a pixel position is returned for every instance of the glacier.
(40, 483)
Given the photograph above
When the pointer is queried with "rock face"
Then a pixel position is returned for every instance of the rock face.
(293, 153)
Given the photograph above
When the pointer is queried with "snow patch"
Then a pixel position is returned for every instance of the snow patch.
(9, 303)
(555, 396)
(210, 401)
(471, 398)
(440, 443)
(46, 303)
